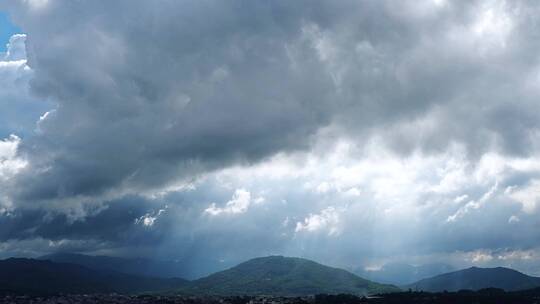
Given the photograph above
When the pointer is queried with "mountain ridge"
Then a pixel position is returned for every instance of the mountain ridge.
(271, 275)
(134, 266)
(476, 278)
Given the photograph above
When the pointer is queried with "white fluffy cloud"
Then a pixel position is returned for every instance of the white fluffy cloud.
(326, 220)
(10, 164)
(239, 203)
(528, 195)
(20, 110)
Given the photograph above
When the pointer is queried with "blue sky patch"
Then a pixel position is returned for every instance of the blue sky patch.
(7, 29)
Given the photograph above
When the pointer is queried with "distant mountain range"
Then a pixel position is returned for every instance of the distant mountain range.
(278, 275)
(475, 278)
(402, 273)
(29, 276)
(274, 275)
(135, 266)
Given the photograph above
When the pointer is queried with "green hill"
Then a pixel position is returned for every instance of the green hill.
(475, 278)
(277, 275)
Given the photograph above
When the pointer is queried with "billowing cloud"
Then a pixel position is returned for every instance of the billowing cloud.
(528, 195)
(16, 50)
(10, 164)
(20, 110)
(154, 105)
(327, 219)
(375, 130)
(238, 204)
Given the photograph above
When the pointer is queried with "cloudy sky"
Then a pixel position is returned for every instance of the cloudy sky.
(354, 133)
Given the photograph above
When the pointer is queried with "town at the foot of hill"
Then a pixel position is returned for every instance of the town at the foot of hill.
(487, 296)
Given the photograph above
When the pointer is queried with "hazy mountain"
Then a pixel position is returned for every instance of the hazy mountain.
(475, 278)
(277, 275)
(29, 276)
(402, 273)
(136, 266)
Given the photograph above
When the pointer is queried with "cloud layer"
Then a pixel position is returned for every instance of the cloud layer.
(375, 130)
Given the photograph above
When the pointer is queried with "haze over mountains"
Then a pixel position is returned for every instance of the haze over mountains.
(391, 273)
(476, 278)
(272, 275)
(402, 273)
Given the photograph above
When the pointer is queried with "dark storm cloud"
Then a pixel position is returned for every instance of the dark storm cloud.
(111, 222)
(168, 95)
(149, 93)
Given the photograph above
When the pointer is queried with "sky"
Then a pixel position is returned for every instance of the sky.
(354, 133)
(7, 29)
